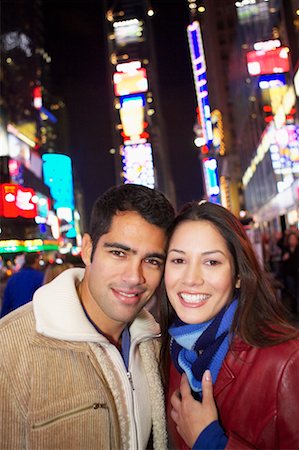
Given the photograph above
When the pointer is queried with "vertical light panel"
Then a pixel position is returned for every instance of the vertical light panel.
(200, 80)
(138, 165)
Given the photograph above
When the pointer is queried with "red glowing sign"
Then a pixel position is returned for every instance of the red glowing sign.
(266, 63)
(37, 97)
(15, 200)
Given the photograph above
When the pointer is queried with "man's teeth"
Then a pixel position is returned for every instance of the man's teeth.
(125, 294)
(194, 298)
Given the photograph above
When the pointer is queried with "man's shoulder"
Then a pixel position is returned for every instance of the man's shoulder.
(18, 321)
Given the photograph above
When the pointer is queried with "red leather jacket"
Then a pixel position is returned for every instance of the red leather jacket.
(257, 395)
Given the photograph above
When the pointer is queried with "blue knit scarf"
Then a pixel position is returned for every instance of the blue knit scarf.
(197, 347)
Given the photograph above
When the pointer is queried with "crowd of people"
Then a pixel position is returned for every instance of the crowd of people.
(85, 365)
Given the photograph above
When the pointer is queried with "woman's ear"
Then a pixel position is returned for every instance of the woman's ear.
(238, 283)
(86, 249)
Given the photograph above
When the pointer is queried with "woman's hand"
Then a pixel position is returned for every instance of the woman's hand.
(191, 416)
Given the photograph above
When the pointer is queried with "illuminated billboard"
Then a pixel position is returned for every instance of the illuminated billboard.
(37, 97)
(19, 150)
(296, 82)
(272, 81)
(58, 176)
(43, 205)
(200, 80)
(211, 179)
(266, 62)
(132, 115)
(128, 32)
(218, 134)
(138, 165)
(17, 201)
(16, 171)
(131, 82)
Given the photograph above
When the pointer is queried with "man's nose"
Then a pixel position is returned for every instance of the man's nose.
(133, 272)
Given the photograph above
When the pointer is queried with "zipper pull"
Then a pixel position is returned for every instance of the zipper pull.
(130, 380)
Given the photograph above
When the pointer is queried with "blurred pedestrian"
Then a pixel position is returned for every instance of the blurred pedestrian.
(290, 268)
(21, 285)
(80, 364)
(55, 269)
(275, 252)
(233, 374)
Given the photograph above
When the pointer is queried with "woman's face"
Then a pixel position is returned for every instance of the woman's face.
(199, 274)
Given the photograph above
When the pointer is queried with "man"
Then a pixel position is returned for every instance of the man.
(21, 285)
(80, 363)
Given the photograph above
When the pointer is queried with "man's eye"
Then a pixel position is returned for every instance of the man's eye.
(118, 252)
(154, 262)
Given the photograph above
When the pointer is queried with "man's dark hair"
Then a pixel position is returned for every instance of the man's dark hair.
(151, 204)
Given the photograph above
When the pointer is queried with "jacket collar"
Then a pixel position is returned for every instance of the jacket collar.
(232, 364)
(59, 314)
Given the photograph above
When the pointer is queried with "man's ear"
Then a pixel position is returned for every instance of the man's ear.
(86, 249)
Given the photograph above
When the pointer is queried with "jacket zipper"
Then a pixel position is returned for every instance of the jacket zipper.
(135, 437)
(70, 413)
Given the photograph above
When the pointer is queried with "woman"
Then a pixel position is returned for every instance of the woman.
(224, 317)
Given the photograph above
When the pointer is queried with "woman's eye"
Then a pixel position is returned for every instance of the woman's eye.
(212, 262)
(177, 261)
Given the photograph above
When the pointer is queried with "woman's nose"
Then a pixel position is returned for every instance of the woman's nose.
(193, 275)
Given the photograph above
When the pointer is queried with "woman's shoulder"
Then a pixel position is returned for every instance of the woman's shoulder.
(281, 351)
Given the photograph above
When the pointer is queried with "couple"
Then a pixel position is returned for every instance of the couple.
(81, 364)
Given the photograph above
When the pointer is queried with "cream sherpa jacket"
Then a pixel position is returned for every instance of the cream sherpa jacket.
(63, 386)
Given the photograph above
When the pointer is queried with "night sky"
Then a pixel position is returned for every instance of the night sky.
(75, 40)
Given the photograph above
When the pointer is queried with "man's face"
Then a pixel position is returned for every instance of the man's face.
(124, 273)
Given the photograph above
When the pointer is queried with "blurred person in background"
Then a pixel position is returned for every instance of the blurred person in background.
(55, 269)
(79, 365)
(230, 357)
(21, 285)
(275, 253)
(290, 268)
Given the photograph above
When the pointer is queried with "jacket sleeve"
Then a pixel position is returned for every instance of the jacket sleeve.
(288, 404)
(12, 423)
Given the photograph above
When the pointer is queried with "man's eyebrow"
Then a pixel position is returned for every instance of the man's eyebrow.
(156, 255)
(129, 249)
(119, 245)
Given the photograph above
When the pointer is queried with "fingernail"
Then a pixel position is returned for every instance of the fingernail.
(208, 375)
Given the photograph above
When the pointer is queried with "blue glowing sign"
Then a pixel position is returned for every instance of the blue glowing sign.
(211, 179)
(58, 176)
(272, 81)
(137, 99)
(200, 80)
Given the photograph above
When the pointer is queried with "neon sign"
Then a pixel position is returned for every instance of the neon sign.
(211, 178)
(200, 80)
(17, 201)
(131, 82)
(267, 62)
(138, 166)
(132, 115)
